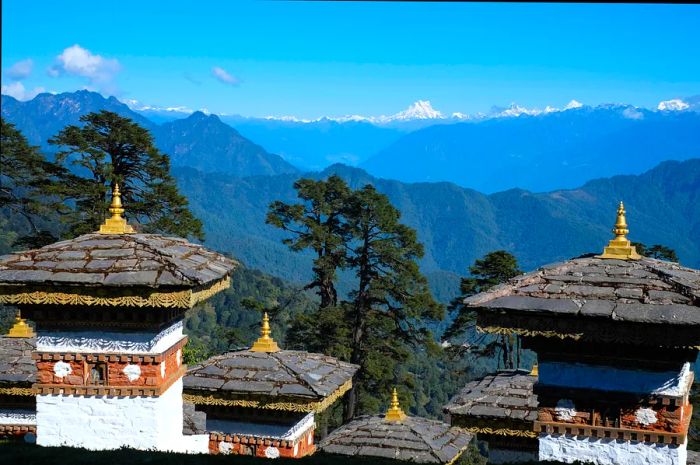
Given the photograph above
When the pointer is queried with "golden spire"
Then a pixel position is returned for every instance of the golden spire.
(265, 343)
(116, 224)
(394, 413)
(20, 328)
(620, 247)
(535, 370)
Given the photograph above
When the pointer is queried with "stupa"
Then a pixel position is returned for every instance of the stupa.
(616, 337)
(262, 401)
(398, 436)
(17, 374)
(109, 309)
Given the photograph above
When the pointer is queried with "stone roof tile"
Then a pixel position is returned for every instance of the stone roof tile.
(116, 260)
(412, 439)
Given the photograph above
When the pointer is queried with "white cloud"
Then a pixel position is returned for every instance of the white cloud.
(79, 61)
(224, 76)
(17, 90)
(21, 69)
(675, 104)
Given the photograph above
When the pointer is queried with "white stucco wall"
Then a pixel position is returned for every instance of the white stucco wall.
(105, 422)
(568, 449)
(606, 378)
(110, 341)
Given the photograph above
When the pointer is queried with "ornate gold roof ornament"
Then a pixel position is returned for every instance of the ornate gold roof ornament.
(620, 247)
(116, 224)
(395, 413)
(535, 370)
(20, 328)
(265, 343)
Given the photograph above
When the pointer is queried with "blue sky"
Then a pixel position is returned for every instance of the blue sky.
(312, 58)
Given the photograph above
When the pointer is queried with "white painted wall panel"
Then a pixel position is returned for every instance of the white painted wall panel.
(569, 449)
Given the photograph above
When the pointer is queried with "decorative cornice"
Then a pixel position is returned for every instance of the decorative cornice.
(500, 431)
(97, 296)
(528, 332)
(267, 402)
(17, 391)
(116, 391)
(625, 434)
(110, 357)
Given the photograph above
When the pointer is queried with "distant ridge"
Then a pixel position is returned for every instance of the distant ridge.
(204, 142)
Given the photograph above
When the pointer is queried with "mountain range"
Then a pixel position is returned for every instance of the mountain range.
(231, 180)
(200, 141)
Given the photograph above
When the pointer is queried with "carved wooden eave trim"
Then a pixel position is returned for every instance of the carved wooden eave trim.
(268, 402)
(528, 332)
(99, 296)
(518, 433)
(17, 391)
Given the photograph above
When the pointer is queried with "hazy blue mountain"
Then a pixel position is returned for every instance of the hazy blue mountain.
(457, 225)
(43, 116)
(206, 143)
(550, 151)
(199, 140)
(317, 144)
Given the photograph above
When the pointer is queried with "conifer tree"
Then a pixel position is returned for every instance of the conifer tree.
(27, 188)
(492, 269)
(317, 224)
(109, 149)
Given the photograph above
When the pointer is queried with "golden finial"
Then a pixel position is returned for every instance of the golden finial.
(620, 247)
(116, 224)
(20, 328)
(535, 370)
(394, 413)
(265, 343)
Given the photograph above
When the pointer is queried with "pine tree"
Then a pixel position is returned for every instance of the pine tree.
(494, 268)
(27, 188)
(317, 224)
(657, 251)
(110, 149)
(383, 321)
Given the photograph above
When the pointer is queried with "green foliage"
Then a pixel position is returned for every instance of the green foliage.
(494, 268)
(27, 184)
(382, 322)
(317, 224)
(111, 149)
(658, 251)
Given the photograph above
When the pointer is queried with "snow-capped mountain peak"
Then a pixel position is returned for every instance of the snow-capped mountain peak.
(421, 109)
(573, 104)
(675, 104)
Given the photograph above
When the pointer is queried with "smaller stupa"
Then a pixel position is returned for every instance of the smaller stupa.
(398, 436)
(262, 401)
(17, 373)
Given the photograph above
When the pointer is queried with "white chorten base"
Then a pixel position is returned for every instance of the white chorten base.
(106, 422)
(569, 449)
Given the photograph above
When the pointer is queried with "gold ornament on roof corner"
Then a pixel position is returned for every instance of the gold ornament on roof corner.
(265, 343)
(535, 370)
(620, 247)
(20, 328)
(116, 224)
(395, 413)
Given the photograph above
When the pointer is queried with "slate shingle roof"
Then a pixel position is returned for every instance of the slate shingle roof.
(505, 395)
(116, 260)
(285, 373)
(413, 439)
(16, 364)
(693, 458)
(640, 291)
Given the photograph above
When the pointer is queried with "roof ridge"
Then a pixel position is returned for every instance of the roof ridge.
(668, 278)
(420, 435)
(296, 374)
